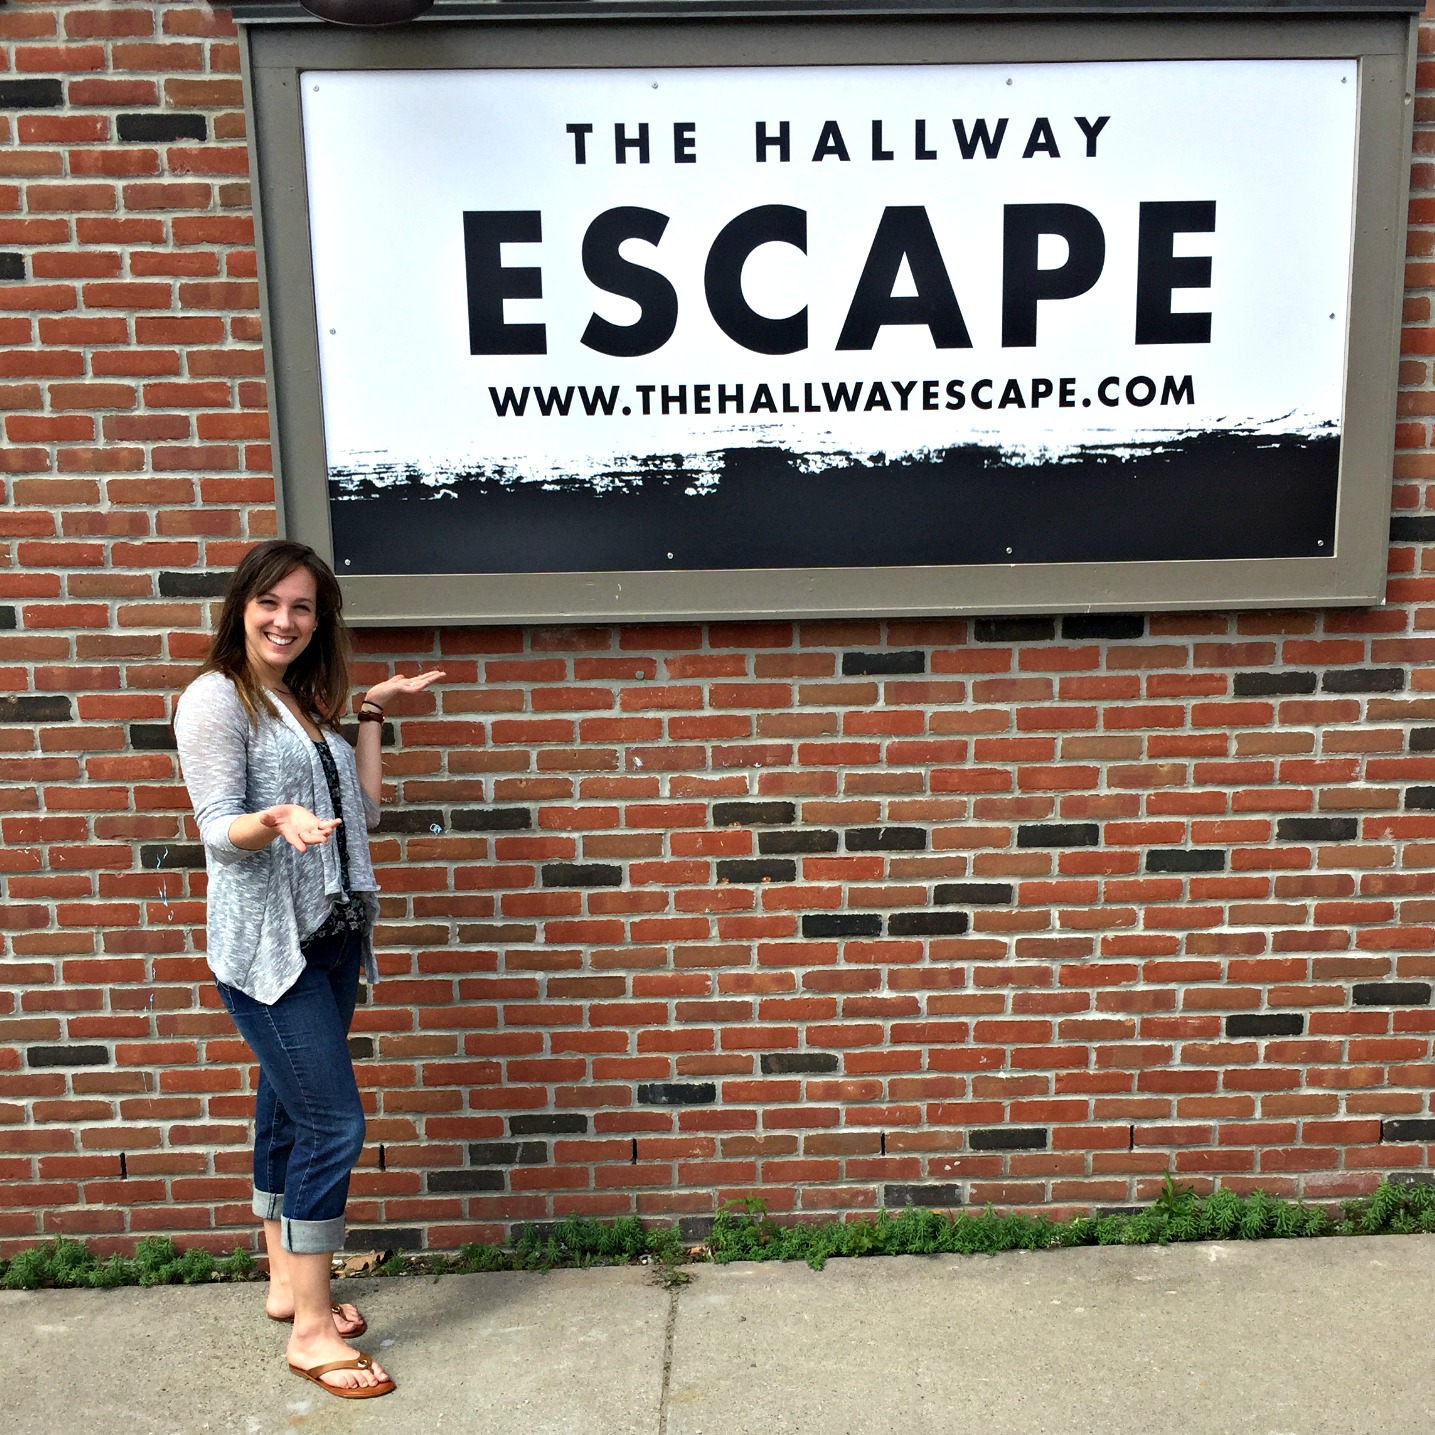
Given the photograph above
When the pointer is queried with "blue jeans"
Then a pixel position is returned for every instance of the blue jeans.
(308, 1121)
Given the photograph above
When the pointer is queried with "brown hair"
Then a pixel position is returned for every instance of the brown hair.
(319, 677)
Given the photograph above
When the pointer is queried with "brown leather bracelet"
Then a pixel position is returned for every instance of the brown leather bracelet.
(365, 715)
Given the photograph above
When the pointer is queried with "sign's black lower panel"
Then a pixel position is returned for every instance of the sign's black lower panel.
(1205, 496)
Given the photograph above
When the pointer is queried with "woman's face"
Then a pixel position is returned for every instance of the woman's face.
(279, 623)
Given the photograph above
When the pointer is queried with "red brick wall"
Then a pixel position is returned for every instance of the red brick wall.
(1024, 911)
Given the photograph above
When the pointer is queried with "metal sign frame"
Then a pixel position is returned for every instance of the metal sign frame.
(278, 51)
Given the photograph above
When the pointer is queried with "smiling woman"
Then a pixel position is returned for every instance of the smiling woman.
(279, 623)
(289, 924)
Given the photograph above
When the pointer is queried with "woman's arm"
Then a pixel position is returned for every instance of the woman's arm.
(254, 831)
(212, 733)
(367, 755)
(369, 762)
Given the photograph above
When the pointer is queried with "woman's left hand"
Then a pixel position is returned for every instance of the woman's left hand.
(382, 693)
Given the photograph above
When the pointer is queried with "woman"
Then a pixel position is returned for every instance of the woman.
(283, 805)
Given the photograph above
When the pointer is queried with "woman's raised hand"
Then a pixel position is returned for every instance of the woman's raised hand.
(298, 826)
(381, 693)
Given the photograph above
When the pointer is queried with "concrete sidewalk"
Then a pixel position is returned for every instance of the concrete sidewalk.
(1316, 1337)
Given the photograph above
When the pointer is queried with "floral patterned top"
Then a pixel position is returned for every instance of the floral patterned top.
(348, 914)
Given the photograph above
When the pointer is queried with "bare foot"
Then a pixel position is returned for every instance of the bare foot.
(279, 1305)
(327, 1348)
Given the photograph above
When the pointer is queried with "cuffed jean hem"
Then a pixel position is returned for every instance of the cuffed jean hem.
(267, 1205)
(312, 1238)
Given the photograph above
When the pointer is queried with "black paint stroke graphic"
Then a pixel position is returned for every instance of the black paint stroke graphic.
(1217, 495)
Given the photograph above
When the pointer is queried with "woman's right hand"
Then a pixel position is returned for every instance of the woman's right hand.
(298, 826)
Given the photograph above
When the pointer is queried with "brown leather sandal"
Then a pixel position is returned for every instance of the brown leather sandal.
(338, 1311)
(315, 1374)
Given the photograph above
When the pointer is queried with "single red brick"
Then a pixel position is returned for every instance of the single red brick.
(70, 198)
(161, 195)
(212, 159)
(38, 296)
(109, 23)
(20, 25)
(92, 396)
(107, 93)
(21, 428)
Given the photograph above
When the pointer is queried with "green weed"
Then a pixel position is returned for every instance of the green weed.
(63, 1263)
(744, 1231)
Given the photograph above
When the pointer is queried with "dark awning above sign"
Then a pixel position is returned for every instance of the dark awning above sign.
(259, 11)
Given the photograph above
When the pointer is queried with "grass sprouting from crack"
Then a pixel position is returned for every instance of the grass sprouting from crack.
(743, 1231)
(157, 1261)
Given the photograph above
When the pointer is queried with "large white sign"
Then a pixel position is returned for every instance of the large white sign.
(589, 284)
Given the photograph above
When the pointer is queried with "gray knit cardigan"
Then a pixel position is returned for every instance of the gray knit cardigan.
(261, 905)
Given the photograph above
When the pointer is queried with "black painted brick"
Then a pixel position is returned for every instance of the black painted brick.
(541, 1231)
(361, 1048)
(927, 924)
(937, 1196)
(412, 819)
(1412, 529)
(757, 869)
(466, 1181)
(152, 737)
(1186, 859)
(167, 856)
(975, 894)
(841, 924)
(1085, 626)
(695, 1229)
(1272, 685)
(1317, 829)
(1265, 1023)
(886, 839)
(34, 707)
(797, 839)
(875, 665)
(1419, 799)
(1422, 739)
(798, 1063)
(507, 1153)
(1408, 1128)
(12, 265)
(551, 1123)
(193, 583)
(676, 1093)
(9, 616)
(1411, 1178)
(1014, 630)
(752, 814)
(492, 819)
(350, 731)
(1008, 1138)
(66, 1056)
(1391, 993)
(582, 874)
(1058, 834)
(160, 128)
(383, 1238)
(31, 94)
(1364, 680)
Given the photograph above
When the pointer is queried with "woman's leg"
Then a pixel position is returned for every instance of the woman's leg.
(314, 1340)
(301, 1043)
(273, 1142)
(279, 1293)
